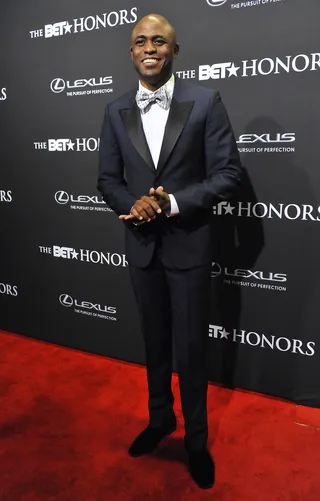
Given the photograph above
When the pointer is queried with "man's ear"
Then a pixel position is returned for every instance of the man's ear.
(176, 50)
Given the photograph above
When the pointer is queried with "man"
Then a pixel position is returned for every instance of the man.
(167, 154)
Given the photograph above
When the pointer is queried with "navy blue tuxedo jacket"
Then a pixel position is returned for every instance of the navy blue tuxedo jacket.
(199, 164)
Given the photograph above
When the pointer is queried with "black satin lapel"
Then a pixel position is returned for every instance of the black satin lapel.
(177, 119)
(133, 124)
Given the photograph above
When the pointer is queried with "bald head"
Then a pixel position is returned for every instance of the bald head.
(156, 19)
(154, 46)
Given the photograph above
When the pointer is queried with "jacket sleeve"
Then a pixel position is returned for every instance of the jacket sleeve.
(223, 166)
(111, 181)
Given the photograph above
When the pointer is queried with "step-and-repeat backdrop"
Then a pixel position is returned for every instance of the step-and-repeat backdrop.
(63, 271)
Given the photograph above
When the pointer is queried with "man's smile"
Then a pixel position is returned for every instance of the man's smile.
(150, 61)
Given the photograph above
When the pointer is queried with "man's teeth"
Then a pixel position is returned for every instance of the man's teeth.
(150, 60)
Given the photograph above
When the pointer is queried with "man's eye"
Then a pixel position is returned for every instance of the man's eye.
(139, 42)
(159, 42)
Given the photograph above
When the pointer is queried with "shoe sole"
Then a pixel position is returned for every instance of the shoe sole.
(208, 486)
(149, 452)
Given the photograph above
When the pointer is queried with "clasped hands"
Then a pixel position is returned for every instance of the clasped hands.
(149, 207)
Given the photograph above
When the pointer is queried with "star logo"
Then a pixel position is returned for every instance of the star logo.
(228, 209)
(74, 254)
(233, 70)
(70, 145)
(224, 334)
(67, 28)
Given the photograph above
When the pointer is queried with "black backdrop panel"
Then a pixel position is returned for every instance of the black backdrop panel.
(64, 274)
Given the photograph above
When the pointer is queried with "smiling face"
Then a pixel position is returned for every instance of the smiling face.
(153, 49)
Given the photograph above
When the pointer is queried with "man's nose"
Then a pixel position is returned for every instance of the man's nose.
(149, 48)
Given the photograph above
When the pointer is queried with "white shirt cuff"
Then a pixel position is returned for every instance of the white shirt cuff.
(174, 206)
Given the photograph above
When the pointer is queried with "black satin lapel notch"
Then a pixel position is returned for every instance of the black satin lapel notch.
(177, 119)
(133, 124)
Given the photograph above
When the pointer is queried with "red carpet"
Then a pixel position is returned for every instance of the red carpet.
(67, 418)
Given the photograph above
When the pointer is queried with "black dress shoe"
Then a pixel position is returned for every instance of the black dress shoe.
(202, 469)
(148, 440)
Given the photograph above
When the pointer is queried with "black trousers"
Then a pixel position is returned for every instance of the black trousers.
(175, 303)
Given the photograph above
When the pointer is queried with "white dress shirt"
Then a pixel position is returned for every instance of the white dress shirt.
(154, 119)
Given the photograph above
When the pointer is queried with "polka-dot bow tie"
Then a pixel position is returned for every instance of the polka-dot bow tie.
(160, 96)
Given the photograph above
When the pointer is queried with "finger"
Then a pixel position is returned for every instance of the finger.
(149, 209)
(138, 212)
(162, 194)
(124, 217)
(151, 191)
(153, 203)
(159, 190)
(144, 204)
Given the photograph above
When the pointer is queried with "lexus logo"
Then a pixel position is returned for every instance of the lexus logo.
(66, 300)
(57, 85)
(61, 197)
(216, 3)
(215, 270)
